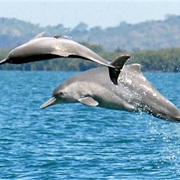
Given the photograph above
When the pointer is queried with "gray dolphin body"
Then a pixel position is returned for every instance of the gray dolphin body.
(133, 93)
(42, 48)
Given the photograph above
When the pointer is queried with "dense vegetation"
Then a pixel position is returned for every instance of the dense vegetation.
(167, 60)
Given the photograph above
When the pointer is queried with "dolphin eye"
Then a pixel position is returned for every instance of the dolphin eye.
(61, 94)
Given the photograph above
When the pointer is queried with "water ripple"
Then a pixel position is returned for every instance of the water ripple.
(80, 142)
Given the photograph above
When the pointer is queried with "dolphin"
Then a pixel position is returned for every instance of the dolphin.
(134, 93)
(42, 48)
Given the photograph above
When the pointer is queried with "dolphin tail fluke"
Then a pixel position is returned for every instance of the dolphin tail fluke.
(118, 63)
(3, 61)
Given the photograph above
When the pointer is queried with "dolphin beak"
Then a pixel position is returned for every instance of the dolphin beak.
(3, 61)
(50, 102)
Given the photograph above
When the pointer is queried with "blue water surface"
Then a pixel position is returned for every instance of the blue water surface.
(73, 141)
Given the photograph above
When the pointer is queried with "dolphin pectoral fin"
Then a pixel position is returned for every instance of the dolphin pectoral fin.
(118, 63)
(89, 101)
(3, 61)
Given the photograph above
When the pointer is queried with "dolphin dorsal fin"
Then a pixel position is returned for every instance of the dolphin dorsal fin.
(135, 67)
(118, 63)
(39, 35)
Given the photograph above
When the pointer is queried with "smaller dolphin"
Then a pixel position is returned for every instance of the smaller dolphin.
(133, 92)
(42, 48)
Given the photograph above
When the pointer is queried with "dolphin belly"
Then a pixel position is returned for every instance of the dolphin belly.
(31, 58)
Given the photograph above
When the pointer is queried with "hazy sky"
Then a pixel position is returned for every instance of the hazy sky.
(102, 13)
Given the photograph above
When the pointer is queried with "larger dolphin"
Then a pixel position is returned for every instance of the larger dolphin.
(133, 93)
(42, 48)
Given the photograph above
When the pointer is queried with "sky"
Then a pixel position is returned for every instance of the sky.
(104, 13)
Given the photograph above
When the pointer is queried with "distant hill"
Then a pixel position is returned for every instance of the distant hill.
(152, 35)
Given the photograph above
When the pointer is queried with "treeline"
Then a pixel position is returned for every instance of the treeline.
(132, 37)
(166, 60)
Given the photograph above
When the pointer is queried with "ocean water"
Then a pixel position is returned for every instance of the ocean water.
(74, 141)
